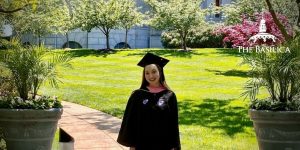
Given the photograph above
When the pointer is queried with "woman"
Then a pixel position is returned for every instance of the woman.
(150, 120)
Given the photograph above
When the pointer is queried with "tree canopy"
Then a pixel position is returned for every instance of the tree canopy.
(180, 16)
(102, 14)
(49, 17)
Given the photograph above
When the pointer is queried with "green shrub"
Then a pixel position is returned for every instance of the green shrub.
(198, 38)
(170, 40)
(204, 39)
(27, 68)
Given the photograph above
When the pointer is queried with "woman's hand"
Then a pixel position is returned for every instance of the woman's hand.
(132, 148)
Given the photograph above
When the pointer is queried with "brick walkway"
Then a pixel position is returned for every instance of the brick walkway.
(91, 129)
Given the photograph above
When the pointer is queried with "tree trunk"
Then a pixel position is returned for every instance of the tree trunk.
(67, 36)
(11, 11)
(105, 31)
(181, 39)
(183, 35)
(184, 43)
(107, 40)
(286, 36)
(22, 89)
(39, 40)
(87, 40)
(126, 34)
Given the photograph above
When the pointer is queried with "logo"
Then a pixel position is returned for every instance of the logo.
(264, 36)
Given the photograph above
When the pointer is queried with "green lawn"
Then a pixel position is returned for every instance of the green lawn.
(207, 82)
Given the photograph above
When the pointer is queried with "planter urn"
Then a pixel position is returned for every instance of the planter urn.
(276, 130)
(28, 129)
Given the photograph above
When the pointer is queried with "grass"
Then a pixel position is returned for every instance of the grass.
(55, 143)
(207, 82)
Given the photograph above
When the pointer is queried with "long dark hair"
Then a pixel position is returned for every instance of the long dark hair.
(162, 79)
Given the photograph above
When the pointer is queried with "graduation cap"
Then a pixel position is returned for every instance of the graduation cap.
(150, 58)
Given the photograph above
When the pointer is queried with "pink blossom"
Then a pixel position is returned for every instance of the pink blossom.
(240, 34)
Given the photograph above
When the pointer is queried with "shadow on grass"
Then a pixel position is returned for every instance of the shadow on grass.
(90, 52)
(233, 72)
(215, 114)
(167, 52)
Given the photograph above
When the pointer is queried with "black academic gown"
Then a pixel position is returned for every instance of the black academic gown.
(146, 125)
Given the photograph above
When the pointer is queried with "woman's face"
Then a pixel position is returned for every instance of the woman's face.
(152, 74)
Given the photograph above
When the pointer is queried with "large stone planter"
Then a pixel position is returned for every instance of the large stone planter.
(26, 129)
(276, 130)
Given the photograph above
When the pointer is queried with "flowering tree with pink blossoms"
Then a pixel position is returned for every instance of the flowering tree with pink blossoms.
(240, 34)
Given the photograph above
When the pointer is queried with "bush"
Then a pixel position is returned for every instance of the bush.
(198, 38)
(41, 102)
(26, 69)
(170, 40)
(240, 34)
(204, 39)
(6, 82)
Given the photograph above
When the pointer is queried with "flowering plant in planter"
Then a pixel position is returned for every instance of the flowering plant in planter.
(28, 120)
(276, 119)
(27, 68)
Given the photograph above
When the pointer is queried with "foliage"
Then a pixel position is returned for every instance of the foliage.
(43, 102)
(29, 68)
(130, 16)
(238, 8)
(2, 142)
(170, 39)
(240, 34)
(198, 38)
(10, 7)
(180, 16)
(6, 82)
(49, 17)
(269, 104)
(204, 38)
(279, 73)
(103, 14)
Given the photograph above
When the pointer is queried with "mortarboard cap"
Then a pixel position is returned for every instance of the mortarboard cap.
(150, 58)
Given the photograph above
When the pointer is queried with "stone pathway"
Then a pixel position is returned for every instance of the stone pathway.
(91, 129)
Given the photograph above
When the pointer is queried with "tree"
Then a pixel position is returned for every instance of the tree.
(277, 22)
(103, 14)
(130, 17)
(289, 8)
(177, 15)
(8, 7)
(72, 24)
(236, 9)
(49, 17)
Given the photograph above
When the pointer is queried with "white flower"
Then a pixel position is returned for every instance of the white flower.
(29, 102)
(19, 100)
(13, 102)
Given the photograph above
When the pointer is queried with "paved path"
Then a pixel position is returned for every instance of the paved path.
(91, 129)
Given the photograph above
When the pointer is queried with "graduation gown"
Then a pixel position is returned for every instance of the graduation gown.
(148, 126)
